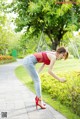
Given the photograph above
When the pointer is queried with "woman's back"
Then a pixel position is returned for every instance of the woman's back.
(43, 57)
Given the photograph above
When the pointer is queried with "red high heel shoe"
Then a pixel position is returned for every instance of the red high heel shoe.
(43, 106)
(36, 99)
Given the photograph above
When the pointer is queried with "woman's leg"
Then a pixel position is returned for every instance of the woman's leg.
(29, 65)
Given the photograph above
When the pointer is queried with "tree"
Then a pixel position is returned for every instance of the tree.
(53, 18)
(8, 38)
(3, 33)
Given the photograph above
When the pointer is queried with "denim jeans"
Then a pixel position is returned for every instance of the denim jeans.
(29, 63)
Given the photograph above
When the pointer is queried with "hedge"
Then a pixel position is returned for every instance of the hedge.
(67, 93)
(3, 57)
(6, 59)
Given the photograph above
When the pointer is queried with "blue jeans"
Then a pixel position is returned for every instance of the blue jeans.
(29, 63)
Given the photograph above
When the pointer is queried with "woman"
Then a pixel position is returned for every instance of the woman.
(47, 58)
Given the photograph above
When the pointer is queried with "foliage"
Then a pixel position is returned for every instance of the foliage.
(3, 33)
(6, 59)
(48, 16)
(8, 38)
(14, 42)
(27, 44)
(74, 46)
(67, 93)
(3, 57)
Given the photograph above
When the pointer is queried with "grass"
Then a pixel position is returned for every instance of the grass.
(60, 66)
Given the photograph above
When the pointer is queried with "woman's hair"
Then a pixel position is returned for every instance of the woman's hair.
(62, 50)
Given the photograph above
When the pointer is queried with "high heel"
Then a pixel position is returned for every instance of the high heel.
(37, 100)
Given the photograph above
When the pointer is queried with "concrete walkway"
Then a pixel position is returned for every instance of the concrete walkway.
(17, 101)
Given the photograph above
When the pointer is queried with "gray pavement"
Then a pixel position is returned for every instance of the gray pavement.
(17, 101)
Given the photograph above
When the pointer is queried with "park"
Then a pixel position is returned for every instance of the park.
(28, 27)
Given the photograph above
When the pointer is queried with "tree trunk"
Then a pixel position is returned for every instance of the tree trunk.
(55, 42)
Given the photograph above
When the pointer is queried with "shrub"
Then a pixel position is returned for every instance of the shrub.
(6, 59)
(67, 93)
(3, 57)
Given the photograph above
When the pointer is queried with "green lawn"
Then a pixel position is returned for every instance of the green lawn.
(64, 65)
(60, 66)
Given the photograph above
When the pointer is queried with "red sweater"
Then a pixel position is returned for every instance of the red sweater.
(42, 58)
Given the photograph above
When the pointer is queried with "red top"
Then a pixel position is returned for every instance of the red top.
(42, 57)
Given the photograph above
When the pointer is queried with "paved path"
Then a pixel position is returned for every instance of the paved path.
(17, 101)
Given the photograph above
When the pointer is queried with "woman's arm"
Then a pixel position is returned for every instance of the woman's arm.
(41, 68)
(52, 61)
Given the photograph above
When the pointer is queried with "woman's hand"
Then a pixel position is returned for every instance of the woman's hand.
(62, 80)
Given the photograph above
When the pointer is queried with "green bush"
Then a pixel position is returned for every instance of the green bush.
(67, 93)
